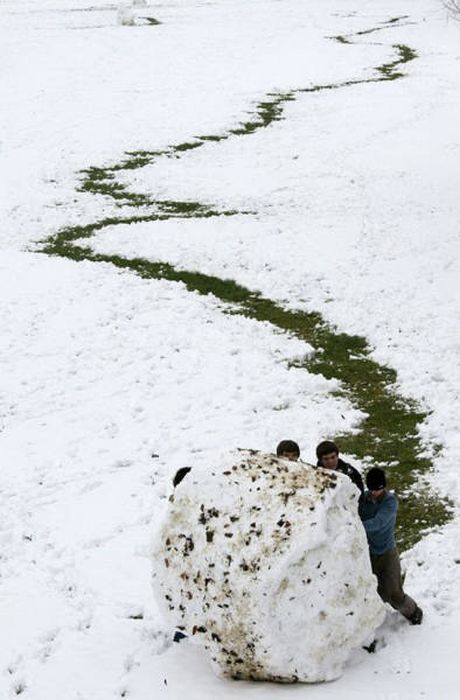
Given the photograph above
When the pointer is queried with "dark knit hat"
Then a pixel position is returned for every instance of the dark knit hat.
(375, 479)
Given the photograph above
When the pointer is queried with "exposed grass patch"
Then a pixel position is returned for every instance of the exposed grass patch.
(213, 137)
(100, 181)
(115, 190)
(388, 70)
(187, 146)
(341, 39)
(182, 209)
(394, 20)
(388, 435)
(344, 38)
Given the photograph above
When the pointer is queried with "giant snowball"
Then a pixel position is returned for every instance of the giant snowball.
(265, 563)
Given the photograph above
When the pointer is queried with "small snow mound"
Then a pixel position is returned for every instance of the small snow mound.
(265, 563)
(139, 3)
(125, 16)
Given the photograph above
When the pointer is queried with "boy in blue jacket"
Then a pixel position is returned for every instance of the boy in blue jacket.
(378, 512)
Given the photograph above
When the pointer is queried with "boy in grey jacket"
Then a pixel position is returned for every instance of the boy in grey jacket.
(378, 512)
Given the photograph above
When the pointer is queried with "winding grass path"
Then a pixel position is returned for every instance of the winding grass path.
(389, 432)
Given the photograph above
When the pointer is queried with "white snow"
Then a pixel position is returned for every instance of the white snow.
(110, 382)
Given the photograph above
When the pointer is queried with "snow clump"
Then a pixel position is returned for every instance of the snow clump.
(126, 16)
(265, 563)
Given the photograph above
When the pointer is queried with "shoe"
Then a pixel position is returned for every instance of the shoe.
(416, 617)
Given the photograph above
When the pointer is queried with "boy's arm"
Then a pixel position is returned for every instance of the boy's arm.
(357, 480)
(383, 518)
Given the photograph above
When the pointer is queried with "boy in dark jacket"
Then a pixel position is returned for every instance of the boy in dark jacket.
(378, 512)
(327, 454)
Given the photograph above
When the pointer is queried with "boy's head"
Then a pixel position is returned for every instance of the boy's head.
(327, 453)
(288, 449)
(376, 479)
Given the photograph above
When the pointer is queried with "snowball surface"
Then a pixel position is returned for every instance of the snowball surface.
(265, 563)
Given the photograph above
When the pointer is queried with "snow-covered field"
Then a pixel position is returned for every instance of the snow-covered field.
(109, 382)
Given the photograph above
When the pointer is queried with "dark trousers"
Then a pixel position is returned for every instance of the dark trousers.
(387, 568)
